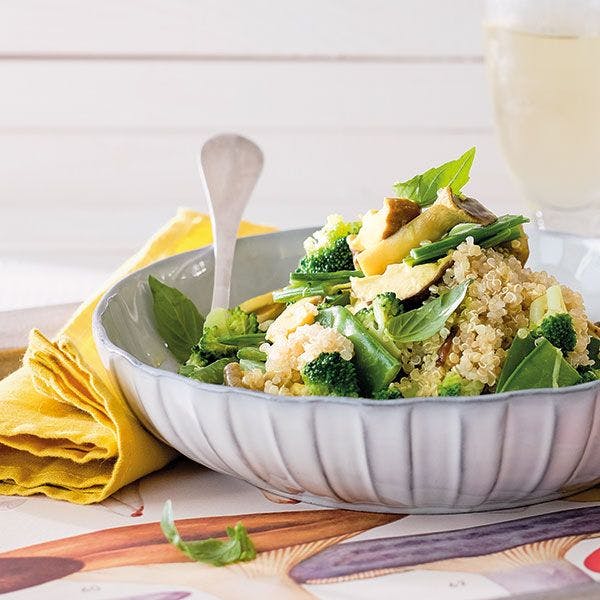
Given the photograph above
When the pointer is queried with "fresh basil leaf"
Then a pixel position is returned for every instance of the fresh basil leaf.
(237, 548)
(519, 349)
(423, 188)
(212, 373)
(421, 323)
(178, 321)
(543, 367)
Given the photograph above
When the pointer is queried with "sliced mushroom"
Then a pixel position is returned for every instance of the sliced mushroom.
(446, 212)
(594, 329)
(380, 224)
(403, 280)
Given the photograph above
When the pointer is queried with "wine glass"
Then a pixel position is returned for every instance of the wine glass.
(543, 59)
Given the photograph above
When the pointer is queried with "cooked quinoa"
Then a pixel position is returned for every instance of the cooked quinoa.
(288, 354)
(495, 308)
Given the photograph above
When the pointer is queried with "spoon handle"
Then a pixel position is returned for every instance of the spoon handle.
(229, 166)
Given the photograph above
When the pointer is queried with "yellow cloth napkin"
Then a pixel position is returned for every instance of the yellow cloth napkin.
(65, 430)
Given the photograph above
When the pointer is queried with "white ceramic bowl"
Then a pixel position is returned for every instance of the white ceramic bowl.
(418, 455)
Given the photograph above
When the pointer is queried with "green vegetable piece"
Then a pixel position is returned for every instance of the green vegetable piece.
(451, 385)
(252, 365)
(330, 375)
(178, 321)
(293, 293)
(559, 331)
(590, 375)
(543, 367)
(226, 324)
(593, 350)
(504, 229)
(238, 548)
(327, 249)
(423, 188)
(341, 298)
(422, 323)
(375, 318)
(376, 366)
(455, 385)
(242, 341)
(548, 318)
(389, 393)
(211, 373)
(251, 353)
(333, 277)
(521, 346)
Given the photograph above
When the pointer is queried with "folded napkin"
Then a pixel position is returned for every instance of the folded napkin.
(65, 429)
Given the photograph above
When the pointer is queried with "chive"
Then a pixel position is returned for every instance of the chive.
(501, 238)
(328, 277)
(241, 341)
(502, 230)
(293, 293)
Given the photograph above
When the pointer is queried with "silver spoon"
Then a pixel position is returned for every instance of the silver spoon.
(230, 166)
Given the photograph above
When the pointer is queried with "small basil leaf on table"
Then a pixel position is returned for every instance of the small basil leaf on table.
(178, 321)
(423, 322)
(543, 367)
(237, 548)
(423, 188)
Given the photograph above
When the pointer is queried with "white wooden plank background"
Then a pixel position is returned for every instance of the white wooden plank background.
(103, 106)
(354, 29)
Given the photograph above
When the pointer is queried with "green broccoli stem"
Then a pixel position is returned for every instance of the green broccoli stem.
(376, 367)
(508, 235)
(502, 230)
(293, 293)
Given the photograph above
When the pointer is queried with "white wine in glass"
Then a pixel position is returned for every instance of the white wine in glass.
(543, 60)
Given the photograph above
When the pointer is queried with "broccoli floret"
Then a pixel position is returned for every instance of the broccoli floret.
(222, 323)
(451, 385)
(335, 257)
(327, 249)
(367, 318)
(550, 319)
(559, 331)
(390, 393)
(330, 375)
(385, 306)
(455, 385)
(376, 316)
